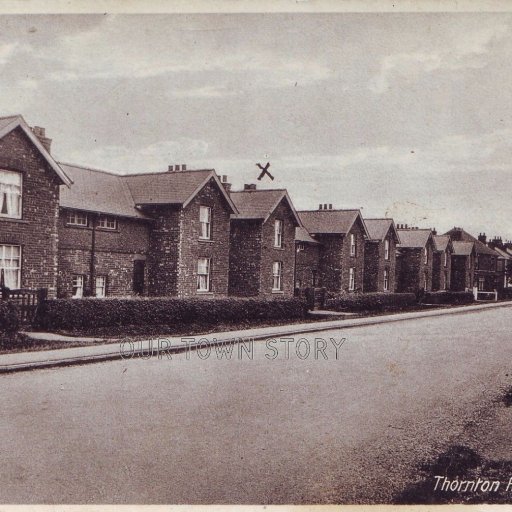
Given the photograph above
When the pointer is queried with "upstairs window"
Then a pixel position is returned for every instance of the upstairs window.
(77, 219)
(277, 276)
(10, 194)
(278, 234)
(425, 251)
(203, 274)
(10, 265)
(445, 258)
(106, 222)
(386, 249)
(205, 219)
(352, 244)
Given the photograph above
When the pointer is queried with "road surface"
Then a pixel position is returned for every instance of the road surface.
(282, 430)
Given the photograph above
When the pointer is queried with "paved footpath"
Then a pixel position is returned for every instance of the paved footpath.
(23, 361)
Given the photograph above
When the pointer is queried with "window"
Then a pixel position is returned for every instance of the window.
(278, 233)
(445, 258)
(10, 194)
(107, 222)
(205, 219)
(78, 286)
(425, 281)
(386, 280)
(481, 284)
(10, 265)
(301, 247)
(203, 275)
(445, 280)
(351, 279)
(352, 244)
(277, 276)
(426, 255)
(101, 286)
(386, 249)
(77, 219)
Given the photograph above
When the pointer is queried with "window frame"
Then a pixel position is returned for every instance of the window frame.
(80, 277)
(386, 249)
(353, 245)
(208, 261)
(19, 215)
(104, 277)
(386, 280)
(107, 218)
(351, 279)
(277, 277)
(17, 268)
(76, 214)
(445, 259)
(278, 233)
(208, 223)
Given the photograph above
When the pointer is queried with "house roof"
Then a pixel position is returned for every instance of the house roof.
(464, 236)
(178, 187)
(414, 238)
(441, 242)
(302, 235)
(259, 204)
(331, 221)
(379, 228)
(503, 253)
(98, 191)
(9, 123)
(462, 248)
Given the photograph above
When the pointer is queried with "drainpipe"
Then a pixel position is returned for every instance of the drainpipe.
(92, 268)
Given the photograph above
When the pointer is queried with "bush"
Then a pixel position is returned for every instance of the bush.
(447, 297)
(370, 301)
(76, 314)
(9, 318)
(506, 294)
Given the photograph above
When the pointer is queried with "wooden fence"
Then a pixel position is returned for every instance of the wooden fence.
(27, 301)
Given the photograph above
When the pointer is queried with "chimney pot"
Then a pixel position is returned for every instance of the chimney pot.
(183, 167)
(330, 206)
(250, 186)
(320, 206)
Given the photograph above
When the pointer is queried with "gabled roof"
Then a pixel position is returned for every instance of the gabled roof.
(464, 236)
(178, 187)
(414, 238)
(481, 248)
(334, 222)
(503, 254)
(260, 204)
(302, 235)
(442, 242)
(379, 228)
(98, 191)
(462, 248)
(9, 123)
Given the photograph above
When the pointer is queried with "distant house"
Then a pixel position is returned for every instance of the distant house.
(262, 243)
(504, 261)
(415, 259)
(480, 264)
(442, 262)
(342, 235)
(307, 259)
(159, 234)
(29, 205)
(380, 256)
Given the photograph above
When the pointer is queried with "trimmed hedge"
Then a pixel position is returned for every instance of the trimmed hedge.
(447, 297)
(370, 301)
(170, 312)
(506, 294)
(9, 317)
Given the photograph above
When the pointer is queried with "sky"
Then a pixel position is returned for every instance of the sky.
(405, 115)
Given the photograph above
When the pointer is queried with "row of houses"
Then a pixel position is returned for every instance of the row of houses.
(79, 231)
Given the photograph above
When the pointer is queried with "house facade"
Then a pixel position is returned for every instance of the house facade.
(157, 234)
(307, 260)
(414, 260)
(29, 207)
(262, 243)
(380, 256)
(341, 235)
(442, 263)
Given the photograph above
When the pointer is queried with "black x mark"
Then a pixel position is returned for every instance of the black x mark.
(264, 170)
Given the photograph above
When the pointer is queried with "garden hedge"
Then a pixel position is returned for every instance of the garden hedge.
(370, 301)
(447, 297)
(9, 317)
(110, 312)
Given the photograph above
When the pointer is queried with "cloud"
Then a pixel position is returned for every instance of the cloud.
(466, 49)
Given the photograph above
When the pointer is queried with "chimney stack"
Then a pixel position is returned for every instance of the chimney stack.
(320, 206)
(330, 206)
(40, 133)
(482, 238)
(250, 186)
(225, 184)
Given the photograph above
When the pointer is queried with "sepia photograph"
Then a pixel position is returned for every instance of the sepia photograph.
(255, 254)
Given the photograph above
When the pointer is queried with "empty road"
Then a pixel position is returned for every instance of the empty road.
(281, 430)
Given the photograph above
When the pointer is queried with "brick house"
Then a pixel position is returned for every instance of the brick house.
(504, 261)
(342, 235)
(262, 243)
(158, 234)
(442, 262)
(463, 263)
(29, 206)
(307, 259)
(414, 259)
(380, 256)
(480, 266)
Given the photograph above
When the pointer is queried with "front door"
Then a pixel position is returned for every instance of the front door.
(139, 267)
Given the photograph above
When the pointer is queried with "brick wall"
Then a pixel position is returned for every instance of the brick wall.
(413, 268)
(461, 278)
(306, 265)
(330, 261)
(115, 253)
(216, 249)
(371, 266)
(36, 232)
(356, 262)
(441, 274)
